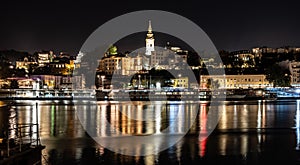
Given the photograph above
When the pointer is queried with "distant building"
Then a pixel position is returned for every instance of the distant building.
(62, 66)
(181, 82)
(4, 83)
(25, 64)
(243, 59)
(58, 81)
(78, 59)
(294, 68)
(115, 65)
(136, 64)
(209, 62)
(280, 50)
(169, 57)
(26, 83)
(235, 81)
(45, 57)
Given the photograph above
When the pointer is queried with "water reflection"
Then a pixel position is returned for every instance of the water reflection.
(141, 120)
(141, 128)
(246, 132)
(297, 120)
(12, 121)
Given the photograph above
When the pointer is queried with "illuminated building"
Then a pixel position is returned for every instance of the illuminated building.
(294, 68)
(162, 58)
(149, 41)
(169, 58)
(243, 59)
(78, 59)
(45, 57)
(62, 66)
(136, 64)
(115, 64)
(25, 64)
(181, 82)
(236, 81)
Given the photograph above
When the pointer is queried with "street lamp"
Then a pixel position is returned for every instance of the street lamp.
(102, 79)
(139, 81)
(98, 80)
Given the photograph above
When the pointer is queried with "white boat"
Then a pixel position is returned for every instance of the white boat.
(287, 95)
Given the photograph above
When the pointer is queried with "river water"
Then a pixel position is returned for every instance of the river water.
(237, 132)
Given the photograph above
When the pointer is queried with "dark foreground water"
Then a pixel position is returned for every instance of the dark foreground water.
(248, 132)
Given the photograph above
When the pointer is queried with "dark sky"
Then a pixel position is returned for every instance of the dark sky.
(64, 26)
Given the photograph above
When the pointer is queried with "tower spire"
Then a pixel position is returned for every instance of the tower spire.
(149, 27)
(149, 40)
(149, 34)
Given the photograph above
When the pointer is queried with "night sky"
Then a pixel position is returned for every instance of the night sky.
(64, 26)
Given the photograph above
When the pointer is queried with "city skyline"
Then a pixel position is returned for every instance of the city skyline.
(63, 26)
(149, 82)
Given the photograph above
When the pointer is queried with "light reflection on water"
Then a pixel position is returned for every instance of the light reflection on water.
(246, 132)
(141, 128)
(297, 120)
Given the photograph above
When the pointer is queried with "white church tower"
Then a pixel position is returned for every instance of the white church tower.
(149, 40)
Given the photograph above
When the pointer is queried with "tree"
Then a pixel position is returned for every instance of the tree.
(278, 76)
(5, 71)
(193, 59)
(112, 50)
(213, 84)
(14, 84)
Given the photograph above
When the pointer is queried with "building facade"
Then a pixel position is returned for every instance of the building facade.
(115, 65)
(181, 82)
(45, 57)
(234, 81)
(25, 64)
(294, 68)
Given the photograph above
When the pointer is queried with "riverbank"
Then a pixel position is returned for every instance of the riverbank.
(149, 95)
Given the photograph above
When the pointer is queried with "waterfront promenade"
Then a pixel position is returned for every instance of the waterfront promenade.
(147, 94)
